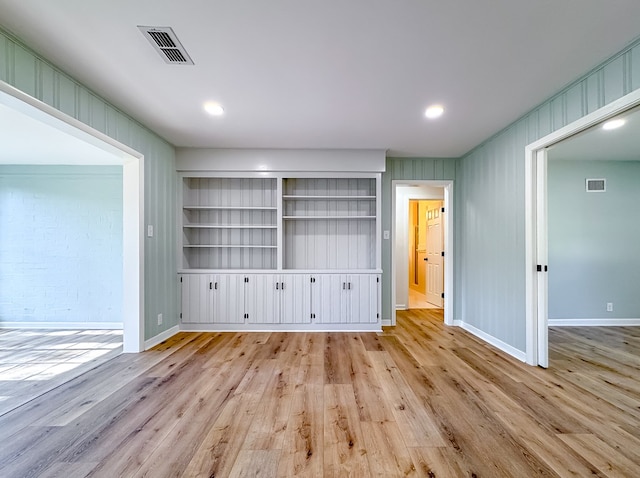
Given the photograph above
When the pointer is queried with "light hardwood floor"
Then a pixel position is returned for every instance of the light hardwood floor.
(34, 361)
(419, 400)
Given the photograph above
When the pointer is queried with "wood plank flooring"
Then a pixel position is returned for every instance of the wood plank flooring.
(419, 400)
(34, 361)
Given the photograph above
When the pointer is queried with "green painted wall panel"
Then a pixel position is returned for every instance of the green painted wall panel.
(23, 69)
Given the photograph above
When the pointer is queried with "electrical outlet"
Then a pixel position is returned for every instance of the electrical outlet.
(159, 319)
(609, 306)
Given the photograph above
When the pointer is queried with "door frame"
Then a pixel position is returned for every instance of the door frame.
(447, 185)
(536, 238)
(132, 163)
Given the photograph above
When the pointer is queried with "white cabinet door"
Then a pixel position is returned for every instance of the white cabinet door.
(196, 298)
(261, 298)
(228, 298)
(345, 298)
(295, 299)
(363, 298)
(329, 298)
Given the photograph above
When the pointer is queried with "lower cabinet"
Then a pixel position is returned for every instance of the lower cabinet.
(346, 298)
(287, 299)
(212, 299)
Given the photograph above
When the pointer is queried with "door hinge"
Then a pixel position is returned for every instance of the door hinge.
(442, 295)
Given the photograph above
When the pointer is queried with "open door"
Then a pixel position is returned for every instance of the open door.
(435, 255)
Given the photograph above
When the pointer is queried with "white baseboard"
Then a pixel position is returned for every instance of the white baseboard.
(594, 322)
(280, 328)
(161, 337)
(499, 344)
(386, 322)
(62, 325)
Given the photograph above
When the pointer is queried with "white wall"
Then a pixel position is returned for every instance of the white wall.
(403, 195)
(61, 246)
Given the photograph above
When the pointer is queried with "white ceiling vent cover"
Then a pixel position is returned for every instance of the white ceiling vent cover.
(596, 185)
(166, 43)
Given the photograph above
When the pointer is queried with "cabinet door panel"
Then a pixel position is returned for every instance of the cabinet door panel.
(330, 307)
(262, 299)
(196, 299)
(295, 307)
(363, 298)
(228, 299)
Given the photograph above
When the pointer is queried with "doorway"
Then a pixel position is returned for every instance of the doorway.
(426, 254)
(404, 191)
(65, 140)
(536, 246)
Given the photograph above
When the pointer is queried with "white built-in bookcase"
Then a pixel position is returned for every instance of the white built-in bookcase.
(329, 223)
(266, 247)
(229, 223)
(274, 223)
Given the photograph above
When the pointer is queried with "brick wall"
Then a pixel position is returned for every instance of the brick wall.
(60, 244)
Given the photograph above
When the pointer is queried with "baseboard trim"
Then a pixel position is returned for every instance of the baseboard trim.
(491, 340)
(62, 325)
(402, 307)
(161, 337)
(280, 328)
(386, 322)
(630, 322)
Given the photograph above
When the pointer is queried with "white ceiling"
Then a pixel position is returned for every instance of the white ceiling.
(330, 73)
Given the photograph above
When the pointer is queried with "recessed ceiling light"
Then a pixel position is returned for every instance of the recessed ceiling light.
(214, 109)
(614, 123)
(434, 111)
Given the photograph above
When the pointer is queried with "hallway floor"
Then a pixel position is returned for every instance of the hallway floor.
(419, 301)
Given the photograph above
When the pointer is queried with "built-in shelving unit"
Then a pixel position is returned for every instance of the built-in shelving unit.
(329, 223)
(266, 249)
(229, 223)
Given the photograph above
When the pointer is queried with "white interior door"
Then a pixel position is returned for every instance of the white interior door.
(435, 259)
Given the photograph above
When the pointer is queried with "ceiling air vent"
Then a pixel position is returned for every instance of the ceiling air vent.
(596, 185)
(166, 43)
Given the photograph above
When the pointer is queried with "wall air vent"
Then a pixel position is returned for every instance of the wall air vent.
(166, 43)
(596, 185)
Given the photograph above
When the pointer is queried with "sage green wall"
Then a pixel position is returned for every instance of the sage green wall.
(26, 71)
(490, 208)
(594, 251)
(405, 169)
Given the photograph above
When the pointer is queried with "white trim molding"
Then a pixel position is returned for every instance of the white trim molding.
(491, 340)
(161, 337)
(62, 325)
(595, 322)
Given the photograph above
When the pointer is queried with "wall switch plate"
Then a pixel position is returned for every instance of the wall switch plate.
(159, 319)
(609, 306)
(149, 231)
